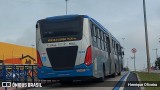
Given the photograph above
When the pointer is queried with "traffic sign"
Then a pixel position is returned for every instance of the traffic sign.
(134, 50)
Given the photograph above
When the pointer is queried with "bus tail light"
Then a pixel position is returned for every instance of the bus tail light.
(88, 57)
(39, 62)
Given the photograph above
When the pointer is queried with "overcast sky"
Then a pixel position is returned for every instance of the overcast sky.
(123, 18)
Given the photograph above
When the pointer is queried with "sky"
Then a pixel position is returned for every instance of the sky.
(123, 18)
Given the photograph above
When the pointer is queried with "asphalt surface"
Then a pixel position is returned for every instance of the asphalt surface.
(132, 78)
(108, 84)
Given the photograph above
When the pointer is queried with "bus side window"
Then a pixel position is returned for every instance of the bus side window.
(102, 42)
(95, 32)
(101, 35)
(105, 42)
(98, 38)
(94, 39)
(119, 50)
(116, 52)
(113, 44)
(92, 29)
(115, 48)
(108, 44)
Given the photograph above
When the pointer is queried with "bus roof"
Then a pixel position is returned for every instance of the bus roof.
(70, 17)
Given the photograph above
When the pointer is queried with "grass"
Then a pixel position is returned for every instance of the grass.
(144, 76)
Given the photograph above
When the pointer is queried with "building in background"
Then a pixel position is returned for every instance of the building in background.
(21, 61)
(1, 62)
(16, 54)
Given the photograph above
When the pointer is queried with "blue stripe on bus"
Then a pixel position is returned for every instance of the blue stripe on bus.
(48, 72)
(62, 18)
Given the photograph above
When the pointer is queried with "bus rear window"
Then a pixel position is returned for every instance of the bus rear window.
(56, 31)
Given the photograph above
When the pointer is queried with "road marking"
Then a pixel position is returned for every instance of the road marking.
(121, 88)
(124, 78)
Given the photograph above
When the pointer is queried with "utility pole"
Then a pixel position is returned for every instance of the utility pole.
(146, 37)
(127, 62)
(134, 51)
(134, 62)
(66, 7)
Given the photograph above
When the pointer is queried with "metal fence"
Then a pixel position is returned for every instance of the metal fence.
(18, 73)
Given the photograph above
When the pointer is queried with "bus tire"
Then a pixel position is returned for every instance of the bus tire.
(102, 79)
(119, 73)
(114, 74)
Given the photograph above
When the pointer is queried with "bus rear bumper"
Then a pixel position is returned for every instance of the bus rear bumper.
(79, 72)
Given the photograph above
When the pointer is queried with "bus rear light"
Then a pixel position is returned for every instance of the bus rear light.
(39, 62)
(88, 57)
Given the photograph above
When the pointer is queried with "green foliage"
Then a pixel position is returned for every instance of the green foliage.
(157, 63)
(126, 69)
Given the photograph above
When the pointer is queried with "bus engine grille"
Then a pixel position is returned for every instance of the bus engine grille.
(62, 58)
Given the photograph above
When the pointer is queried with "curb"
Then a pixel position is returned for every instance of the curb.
(142, 88)
(119, 83)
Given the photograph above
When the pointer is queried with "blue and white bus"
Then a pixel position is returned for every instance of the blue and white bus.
(76, 47)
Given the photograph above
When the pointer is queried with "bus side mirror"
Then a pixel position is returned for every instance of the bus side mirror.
(36, 26)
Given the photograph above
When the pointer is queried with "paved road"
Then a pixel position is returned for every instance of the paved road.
(107, 85)
(133, 78)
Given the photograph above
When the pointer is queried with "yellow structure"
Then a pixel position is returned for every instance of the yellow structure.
(16, 51)
(28, 60)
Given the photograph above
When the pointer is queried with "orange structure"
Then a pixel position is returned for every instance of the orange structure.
(13, 61)
(16, 54)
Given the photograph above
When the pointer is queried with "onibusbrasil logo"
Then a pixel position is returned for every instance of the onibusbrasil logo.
(10, 84)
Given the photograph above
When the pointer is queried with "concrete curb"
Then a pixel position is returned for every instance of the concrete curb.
(142, 88)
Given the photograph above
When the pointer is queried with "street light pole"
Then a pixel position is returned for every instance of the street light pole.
(66, 7)
(146, 37)
(134, 62)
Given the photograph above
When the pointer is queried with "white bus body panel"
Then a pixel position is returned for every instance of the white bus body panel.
(82, 45)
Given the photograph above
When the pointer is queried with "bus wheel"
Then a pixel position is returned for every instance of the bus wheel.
(113, 75)
(119, 73)
(102, 79)
(66, 82)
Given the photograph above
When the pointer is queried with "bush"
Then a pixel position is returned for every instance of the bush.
(157, 63)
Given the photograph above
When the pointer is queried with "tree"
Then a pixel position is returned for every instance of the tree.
(157, 63)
